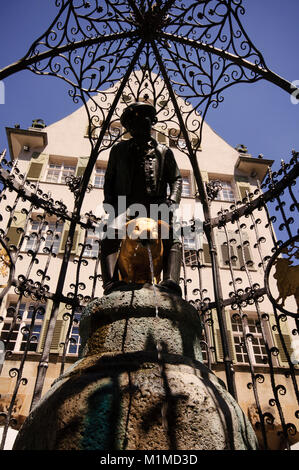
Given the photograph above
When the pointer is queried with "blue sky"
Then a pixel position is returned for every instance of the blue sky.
(260, 116)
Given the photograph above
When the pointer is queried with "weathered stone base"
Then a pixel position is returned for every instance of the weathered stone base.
(140, 385)
(134, 401)
(128, 321)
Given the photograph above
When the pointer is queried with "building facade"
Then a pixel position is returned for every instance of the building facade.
(37, 202)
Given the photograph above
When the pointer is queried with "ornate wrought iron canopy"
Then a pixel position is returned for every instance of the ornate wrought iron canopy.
(199, 47)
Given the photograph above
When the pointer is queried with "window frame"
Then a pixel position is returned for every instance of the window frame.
(190, 257)
(208, 337)
(205, 255)
(46, 239)
(230, 190)
(250, 322)
(191, 245)
(102, 176)
(63, 164)
(224, 180)
(18, 338)
(74, 333)
(236, 250)
(186, 176)
(93, 238)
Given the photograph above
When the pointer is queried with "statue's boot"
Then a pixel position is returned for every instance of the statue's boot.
(109, 257)
(172, 269)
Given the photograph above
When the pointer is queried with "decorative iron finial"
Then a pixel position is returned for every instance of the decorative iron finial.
(74, 184)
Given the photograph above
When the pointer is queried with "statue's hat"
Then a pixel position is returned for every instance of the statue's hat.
(137, 109)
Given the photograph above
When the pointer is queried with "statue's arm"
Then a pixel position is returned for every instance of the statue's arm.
(174, 178)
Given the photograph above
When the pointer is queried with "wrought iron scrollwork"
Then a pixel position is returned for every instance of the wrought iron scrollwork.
(213, 188)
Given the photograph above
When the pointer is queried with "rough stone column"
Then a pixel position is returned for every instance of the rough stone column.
(140, 384)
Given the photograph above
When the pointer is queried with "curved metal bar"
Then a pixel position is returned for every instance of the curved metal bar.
(264, 72)
(260, 70)
(24, 63)
(246, 339)
(274, 191)
(44, 202)
(267, 273)
(20, 379)
(268, 350)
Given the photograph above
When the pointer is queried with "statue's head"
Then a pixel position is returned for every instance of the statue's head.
(138, 119)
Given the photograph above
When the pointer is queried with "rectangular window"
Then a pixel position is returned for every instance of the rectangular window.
(93, 243)
(186, 187)
(19, 336)
(204, 348)
(207, 342)
(256, 348)
(52, 235)
(99, 177)
(75, 340)
(43, 235)
(32, 242)
(189, 241)
(190, 258)
(226, 193)
(205, 252)
(238, 341)
(190, 250)
(53, 173)
(207, 349)
(238, 250)
(11, 344)
(58, 172)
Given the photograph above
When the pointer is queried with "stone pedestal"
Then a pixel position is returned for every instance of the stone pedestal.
(140, 384)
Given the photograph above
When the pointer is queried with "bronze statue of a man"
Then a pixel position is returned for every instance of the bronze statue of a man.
(140, 171)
